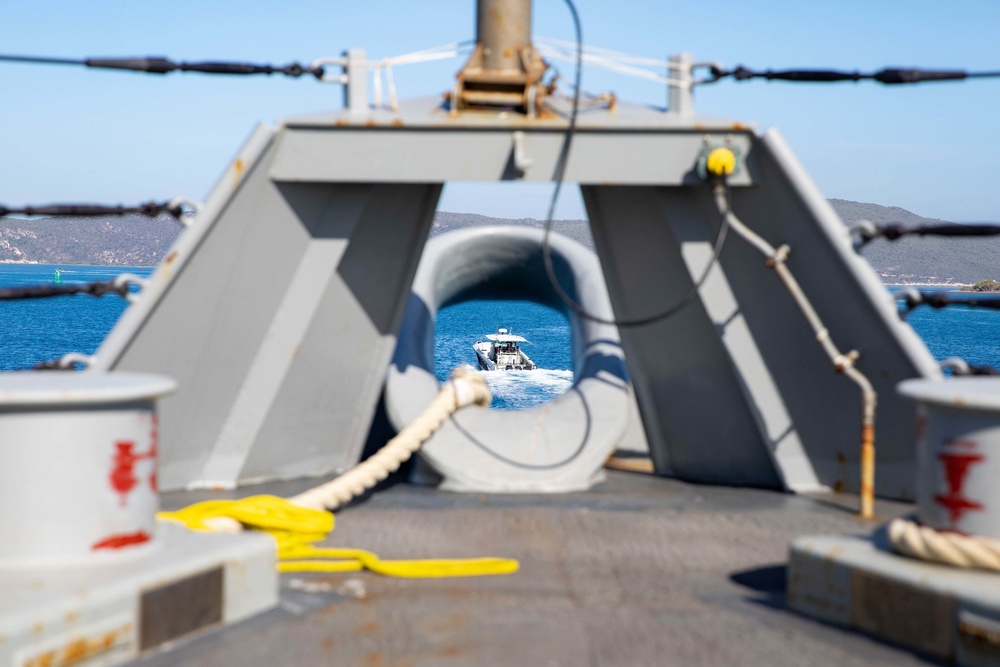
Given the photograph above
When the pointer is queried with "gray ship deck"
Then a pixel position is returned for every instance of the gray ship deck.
(639, 571)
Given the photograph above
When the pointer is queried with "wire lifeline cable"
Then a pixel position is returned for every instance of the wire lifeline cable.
(67, 362)
(559, 175)
(914, 299)
(149, 209)
(959, 366)
(887, 76)
(158, 65)
(869, 232)
(98, 288)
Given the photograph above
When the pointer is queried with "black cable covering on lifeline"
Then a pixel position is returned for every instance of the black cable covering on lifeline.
(914, 299)
(889, 76)
(150, 209)
(160, 65)
(896, 232)
(98, 288)
(982, 370)
(56, 365)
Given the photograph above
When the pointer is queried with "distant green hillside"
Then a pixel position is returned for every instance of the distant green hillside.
(131, 240)
(908, 260)
(925, 259)
(138, 241)
(578, 230)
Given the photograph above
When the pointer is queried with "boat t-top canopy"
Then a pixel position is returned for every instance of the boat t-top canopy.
(506, 338)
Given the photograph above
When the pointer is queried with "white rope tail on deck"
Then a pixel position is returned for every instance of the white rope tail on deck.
(466, 387)
(968, 551)
(299, 523)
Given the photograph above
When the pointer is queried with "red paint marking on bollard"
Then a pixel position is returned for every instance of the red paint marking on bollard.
(122, 540)
(122, 478)
(956, 469)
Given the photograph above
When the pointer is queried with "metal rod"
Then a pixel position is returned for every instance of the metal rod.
(842, 363)
(503, 28)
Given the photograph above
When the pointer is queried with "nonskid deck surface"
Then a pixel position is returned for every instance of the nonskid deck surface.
(641, 570)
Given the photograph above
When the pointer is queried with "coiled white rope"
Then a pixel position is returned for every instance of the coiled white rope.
(466, 387)
(966, 551)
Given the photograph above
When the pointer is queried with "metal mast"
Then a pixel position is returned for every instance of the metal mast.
(504, 71)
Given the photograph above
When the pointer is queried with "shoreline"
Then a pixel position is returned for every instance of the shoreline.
(30, 262)
(8, 262)
(958, 285)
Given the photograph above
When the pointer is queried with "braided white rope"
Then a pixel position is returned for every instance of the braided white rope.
(968, 551)
(466, 387)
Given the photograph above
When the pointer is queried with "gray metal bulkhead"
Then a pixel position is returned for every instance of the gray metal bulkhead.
(278, 309)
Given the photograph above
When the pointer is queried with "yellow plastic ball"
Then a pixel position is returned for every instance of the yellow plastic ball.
(721, 161)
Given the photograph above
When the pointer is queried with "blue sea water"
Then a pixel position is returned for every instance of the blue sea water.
(39, 330)
(462, 324)
(972, 334)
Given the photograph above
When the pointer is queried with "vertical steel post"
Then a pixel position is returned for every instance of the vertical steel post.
(679, 100)
(356, 86)
(503, 28)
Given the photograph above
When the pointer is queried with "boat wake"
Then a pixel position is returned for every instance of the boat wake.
(516, 390)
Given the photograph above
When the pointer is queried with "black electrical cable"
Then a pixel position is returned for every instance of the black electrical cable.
(889, 76)
(895, 232)
(531, 466)
(558, 176)
(159, 65)
(150, 209)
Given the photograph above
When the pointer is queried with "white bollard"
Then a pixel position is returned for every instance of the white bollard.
(958, 453)
(78, 463)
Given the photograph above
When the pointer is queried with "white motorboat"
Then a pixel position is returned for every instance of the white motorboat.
(502, 351)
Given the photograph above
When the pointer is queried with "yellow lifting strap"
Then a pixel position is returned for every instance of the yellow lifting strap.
(295, 528)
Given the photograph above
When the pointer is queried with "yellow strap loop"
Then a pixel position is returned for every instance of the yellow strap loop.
(295, 528)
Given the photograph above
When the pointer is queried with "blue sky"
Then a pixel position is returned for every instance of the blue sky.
(69, 134)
